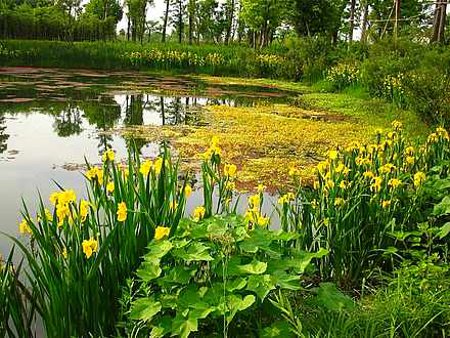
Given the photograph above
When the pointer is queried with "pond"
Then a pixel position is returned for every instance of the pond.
(51, 120)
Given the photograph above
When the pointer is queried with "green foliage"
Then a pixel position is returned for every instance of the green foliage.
(206, 59)
(212, 271)
(362, 195)
(425, 91)
(53, 23)
(324, 17)
(343, 76)
(84, 251)
(16, 309)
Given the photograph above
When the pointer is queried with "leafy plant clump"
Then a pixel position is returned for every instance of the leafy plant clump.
(212, 273)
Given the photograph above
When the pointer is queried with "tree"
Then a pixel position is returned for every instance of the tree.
(322, 17)
(192, 15)
(166, 20)
(137, 15)
(352, 20)
(207, 12)
(103, 9)
(440, 17)
(230, 8)
(178, 13)
(263, 17)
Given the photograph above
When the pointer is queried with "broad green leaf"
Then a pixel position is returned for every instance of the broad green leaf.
(199, 231)
(442, 184)
(247, 302)
(168, 301)
(188, 297)
(235, 304)
(299, 261)
(183, 326)
(286, 281)
(157, 332)
(258, 239)
(217, 229)
(194, 252)
(253, 268)
(214, 296)
(158, 249)
(444, 230)
(240, 233)
(330, 298)
(443, 208)
(261, 285)
(145, 309)
(149, 270)
(286, 236)
(201, 310)
(276, 330)
(176, 275)
(236, 284)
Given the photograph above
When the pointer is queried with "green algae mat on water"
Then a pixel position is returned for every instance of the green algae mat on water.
(264, 126)
(266, 140)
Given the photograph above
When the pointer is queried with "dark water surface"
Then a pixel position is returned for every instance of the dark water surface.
(50, 120)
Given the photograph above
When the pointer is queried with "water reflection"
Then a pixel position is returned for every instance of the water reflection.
(73, 117)
(45, 139)
(3, 135)
(68, 122)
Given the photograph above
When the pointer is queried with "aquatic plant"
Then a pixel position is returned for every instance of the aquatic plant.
(343, 75)
(361, 194)
(82, 250)
(83, 255)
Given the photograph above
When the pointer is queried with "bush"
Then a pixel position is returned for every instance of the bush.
(426, 91)
(209, 274)
(343, 75)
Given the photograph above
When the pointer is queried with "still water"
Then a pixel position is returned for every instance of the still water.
(48, 127)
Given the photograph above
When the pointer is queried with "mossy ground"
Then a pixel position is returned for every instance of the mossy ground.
(266, 140)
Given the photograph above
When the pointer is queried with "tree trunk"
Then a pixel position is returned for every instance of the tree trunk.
(440, 16)
(352, 20)
(180, 21)
(144, 20)
(364, 23)
(398, 6)
(191, 21)
(166, 19)
(230, 16)
(128, 26)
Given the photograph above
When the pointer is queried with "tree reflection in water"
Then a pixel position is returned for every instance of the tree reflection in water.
(105, 112)
(3, 135)
(68, 121)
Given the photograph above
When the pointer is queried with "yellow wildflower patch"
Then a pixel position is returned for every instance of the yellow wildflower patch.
(122, 212)
(198, 214)
(161, 232)
(89, 247)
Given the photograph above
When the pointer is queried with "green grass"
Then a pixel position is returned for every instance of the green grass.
(119, 55)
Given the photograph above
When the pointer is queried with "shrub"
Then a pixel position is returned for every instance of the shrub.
(360, 195)
(426, 94)
(343, 75)
(210, 272)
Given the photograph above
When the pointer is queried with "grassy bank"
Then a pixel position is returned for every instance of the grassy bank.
(176, 58)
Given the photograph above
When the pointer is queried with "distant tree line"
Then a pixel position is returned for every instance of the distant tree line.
(254, 22)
